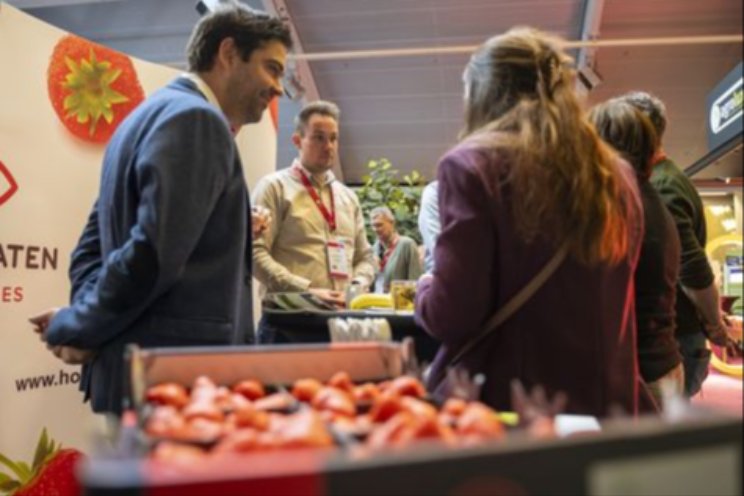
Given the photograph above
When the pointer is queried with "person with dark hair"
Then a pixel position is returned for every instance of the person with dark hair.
(164, 259)
(631, 133)
(698, 309)
(541, 230)
(317, 242)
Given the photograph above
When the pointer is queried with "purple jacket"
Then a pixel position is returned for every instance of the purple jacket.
(576, 334)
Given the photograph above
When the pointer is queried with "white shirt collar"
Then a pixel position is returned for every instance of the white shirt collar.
(204, 88)
(300, 169)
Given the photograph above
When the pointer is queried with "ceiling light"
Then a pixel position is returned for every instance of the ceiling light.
(729, 224)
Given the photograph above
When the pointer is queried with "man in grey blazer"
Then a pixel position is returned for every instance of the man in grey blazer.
(165, 257)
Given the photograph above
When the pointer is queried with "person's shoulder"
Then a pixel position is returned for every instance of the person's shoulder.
(667, 174)
(432, 186)
(279, 175)
(180, 98)
(406, 241)
(430, 190)
(274, 179)
(474, 153)
(343, 189)
(463, 151)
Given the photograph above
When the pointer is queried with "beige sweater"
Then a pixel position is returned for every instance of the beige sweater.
(291, 255)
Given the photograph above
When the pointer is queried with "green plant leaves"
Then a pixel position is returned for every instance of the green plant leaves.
(381, 187)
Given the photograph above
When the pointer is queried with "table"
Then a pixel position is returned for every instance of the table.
(309, 327)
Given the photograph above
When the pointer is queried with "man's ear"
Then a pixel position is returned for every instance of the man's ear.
(226, 52)
(296, 138)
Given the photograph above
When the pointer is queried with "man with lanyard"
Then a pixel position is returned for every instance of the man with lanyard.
(397, 254)
(317, 242)
(699, 316)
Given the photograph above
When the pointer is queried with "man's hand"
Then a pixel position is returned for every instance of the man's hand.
(42, 320)
(72, 356)
(260, 220)
(723, 335)
(335, 298)
(68, 354)
(718, 333)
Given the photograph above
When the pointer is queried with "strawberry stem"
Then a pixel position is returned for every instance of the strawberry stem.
(42, 450)
(14, 467)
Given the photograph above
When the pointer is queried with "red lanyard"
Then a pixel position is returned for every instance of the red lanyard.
(387, 253)
(330, 217)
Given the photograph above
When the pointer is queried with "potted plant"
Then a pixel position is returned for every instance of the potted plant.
(382, 187)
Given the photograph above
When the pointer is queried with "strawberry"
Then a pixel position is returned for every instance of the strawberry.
(52, 472)
(91, 87)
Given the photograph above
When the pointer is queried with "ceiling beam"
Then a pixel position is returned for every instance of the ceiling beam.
(34, 4)
(588, 78)
(468, 49)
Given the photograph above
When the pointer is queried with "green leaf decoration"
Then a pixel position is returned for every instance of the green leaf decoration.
(8, 485)
(18, 471)
(43, 449)
(25, 470)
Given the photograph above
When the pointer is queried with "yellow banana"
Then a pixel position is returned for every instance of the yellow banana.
(369, 300)
(721, 365)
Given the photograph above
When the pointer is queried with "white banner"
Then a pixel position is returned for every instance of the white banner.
(48, 181)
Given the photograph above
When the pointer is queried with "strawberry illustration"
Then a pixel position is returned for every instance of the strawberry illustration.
(51, 474)
(91, 87)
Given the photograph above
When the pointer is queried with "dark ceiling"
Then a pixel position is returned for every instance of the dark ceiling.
(408, 109)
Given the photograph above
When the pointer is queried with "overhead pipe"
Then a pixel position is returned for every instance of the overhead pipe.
(467, 49)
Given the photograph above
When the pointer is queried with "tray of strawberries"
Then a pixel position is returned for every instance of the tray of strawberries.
(206, 419)
(210, 402)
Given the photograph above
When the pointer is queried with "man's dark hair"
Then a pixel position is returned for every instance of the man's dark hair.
(652, 107)
(250, 29)
(319, 107)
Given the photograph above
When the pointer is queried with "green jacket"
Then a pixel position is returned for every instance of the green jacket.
(684, 203)
(403, 264)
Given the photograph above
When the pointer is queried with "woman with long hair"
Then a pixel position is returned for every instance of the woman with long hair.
(632, 134)
(530, 181)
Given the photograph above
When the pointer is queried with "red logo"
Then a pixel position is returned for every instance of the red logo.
(6, 191)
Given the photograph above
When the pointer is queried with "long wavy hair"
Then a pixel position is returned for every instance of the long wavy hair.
(520, 103)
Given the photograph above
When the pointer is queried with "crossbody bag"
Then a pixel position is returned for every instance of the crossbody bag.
(506, 311)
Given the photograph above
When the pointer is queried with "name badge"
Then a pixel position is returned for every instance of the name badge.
(338, 263)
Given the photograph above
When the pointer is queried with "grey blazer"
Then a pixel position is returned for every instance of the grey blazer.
(164, 259)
